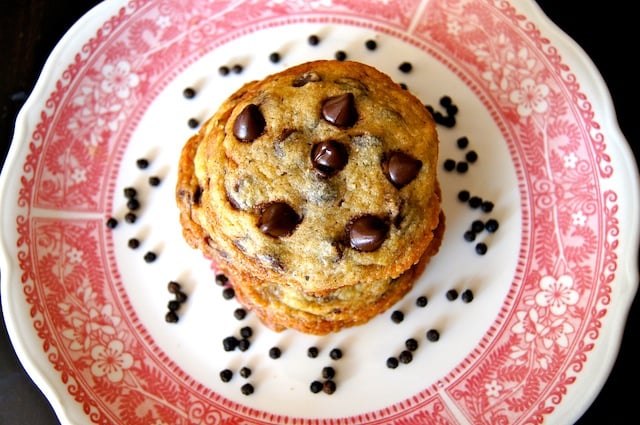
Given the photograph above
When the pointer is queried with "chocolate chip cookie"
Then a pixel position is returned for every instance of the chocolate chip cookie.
(315, 190)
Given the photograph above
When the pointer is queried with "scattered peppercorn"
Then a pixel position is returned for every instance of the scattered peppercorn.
(133, 243)
(245, 372)
(405, 67)
(240, 313)
(329, 387)
(392, 362)
(462, 142)
(173, 287)
(491, 225)
(274, 57)
(180, 296)
(244, 344)
(397, 316)
(313, 40)
(411, 344)
(405, 357)
(150, 257)
(193, 123)
(422, 301)
(130, 192)
(247, 389)
(142, 163)
(469, 236)
(433, 335)
(452, 294)
(487, 206)
(340, 55)
(173, 305)
(449, 164)
(133, 204)
(130, 217)
(224, 70)
(246, 332)
(275, 352)
(335, 354)
(171, 317)
(477, 226)
(237, 68)
(221, 279)
(226, 375)
(462, 167)
(371, 44)
(328, 372)
(312, 352)
(112, 223)
(154, 181)
(464, 195)
(471, 156)
(189, 93)
(481, 248)
(230, 343)
(467, 296)
(228, 293)
(316, 387)
(475, 202)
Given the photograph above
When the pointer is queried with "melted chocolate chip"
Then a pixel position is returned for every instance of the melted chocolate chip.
(366, 233)
(249, 124)
(401, 168)
(328, 157)
(340, 110)
(278, 219)
(307, 77)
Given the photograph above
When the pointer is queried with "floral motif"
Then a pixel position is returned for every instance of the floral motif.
(119, 79)
(557, 294)
(111, 361)
(530, 97)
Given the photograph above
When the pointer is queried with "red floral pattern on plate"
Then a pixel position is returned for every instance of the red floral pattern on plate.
(568, 259)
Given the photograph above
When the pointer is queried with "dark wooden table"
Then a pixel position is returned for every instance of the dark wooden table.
(29, 29)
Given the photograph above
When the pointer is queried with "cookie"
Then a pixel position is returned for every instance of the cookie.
(317, 179)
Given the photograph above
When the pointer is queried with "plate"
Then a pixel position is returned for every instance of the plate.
(86, 312)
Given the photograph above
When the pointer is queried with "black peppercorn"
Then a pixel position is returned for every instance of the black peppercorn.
(171, 317)
(397, 316)
(335, 354)
(226, 375)
(275, 352)
(422, 301)
(247, 389)
(405, 357)
(328, 372)
(150, 257)
(312, 352)
(452, 294)
(315, 387)
(239, 313)
(112, 223)
(329, 387)
(466, 296)
(230, 343)
(392, 362)
(433, 335)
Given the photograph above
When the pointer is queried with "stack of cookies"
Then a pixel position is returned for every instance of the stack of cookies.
(315, 191)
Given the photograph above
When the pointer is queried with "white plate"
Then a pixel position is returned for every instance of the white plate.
(86, 313)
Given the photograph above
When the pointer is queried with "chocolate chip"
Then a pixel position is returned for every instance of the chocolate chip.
(366, 233)
(401, 168)
(278, 219)
(249, 124)
(328, 157)
(340, 110)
